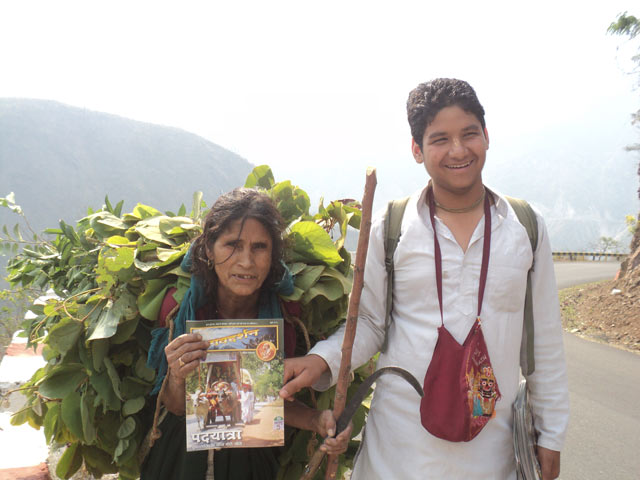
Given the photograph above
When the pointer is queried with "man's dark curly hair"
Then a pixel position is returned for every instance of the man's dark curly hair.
(239, 204)
(427, 99)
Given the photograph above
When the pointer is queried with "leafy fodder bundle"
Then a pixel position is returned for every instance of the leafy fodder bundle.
(110, 273)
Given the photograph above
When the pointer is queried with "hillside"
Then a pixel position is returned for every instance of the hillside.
(608, 312)
(59, 160)
(583, 190)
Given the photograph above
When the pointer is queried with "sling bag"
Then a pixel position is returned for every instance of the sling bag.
(460, 389)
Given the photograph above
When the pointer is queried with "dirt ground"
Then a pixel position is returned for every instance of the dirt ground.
(597, 312)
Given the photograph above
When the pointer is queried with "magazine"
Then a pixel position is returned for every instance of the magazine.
(525, 436)
(232, 397)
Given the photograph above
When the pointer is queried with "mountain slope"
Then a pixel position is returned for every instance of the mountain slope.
(59, 160)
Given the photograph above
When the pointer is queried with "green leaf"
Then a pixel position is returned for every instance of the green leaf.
(132, 406)
(99, 349)
(359, 419)
(113, 376)
(143, 211)
(62, 381)
(108, 203)
(133, 387)
(70, 461)
(87, 411)
(64, 335)
(107, 321)
(149, 229)
(98, 461)
(330, 289)
(127, 428)
(122, 357)
(111, 315)
(331, 273)
(150, 302)
(309, 276)
(19, 417)
(70, 413)
(196, 209)
(143, 372)
(311, 242)
(106, 224)
(125, 331)
(260, 176)
(115, 259)
(296, 268)
(51, 420)
(101, 382)
(16, 232)
(325, 399)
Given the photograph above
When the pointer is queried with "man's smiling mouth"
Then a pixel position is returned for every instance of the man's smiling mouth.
(456, 167)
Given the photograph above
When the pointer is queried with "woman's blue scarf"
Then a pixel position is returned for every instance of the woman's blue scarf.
(194, 299)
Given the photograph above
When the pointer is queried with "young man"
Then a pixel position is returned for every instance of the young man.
(451, 140)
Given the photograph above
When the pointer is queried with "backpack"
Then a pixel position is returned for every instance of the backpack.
(526, 216)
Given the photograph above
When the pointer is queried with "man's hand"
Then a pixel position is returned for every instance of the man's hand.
(300, 372)
(549, 463)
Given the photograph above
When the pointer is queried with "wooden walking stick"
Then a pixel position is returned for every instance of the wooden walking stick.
(344, 374)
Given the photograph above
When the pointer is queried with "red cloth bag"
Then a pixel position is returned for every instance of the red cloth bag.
(460, 389)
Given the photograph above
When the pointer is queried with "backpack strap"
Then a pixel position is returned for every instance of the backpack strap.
(392, 224)
(527, 218)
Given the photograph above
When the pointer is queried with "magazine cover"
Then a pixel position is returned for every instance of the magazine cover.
(232, 398)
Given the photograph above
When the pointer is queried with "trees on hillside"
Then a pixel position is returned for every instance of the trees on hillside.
(628, 25)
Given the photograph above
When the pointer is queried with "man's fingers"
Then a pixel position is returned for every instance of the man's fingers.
(289, 389)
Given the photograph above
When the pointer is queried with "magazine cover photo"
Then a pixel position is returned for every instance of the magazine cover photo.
(232, 398)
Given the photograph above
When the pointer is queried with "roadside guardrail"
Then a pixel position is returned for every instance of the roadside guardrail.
(589, 256)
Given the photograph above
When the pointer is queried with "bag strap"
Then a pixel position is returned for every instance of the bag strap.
(392, 225)
(527, 217)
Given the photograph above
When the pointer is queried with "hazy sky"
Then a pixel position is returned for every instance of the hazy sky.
(316, 88)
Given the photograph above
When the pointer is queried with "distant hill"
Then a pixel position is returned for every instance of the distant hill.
(583, 190)
(59, 160)
(62, 159)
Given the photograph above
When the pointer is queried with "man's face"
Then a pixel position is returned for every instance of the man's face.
(453, 151)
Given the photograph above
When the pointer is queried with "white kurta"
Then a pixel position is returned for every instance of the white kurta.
(396, 446)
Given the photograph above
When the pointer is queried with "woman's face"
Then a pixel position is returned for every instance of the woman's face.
(242, 259)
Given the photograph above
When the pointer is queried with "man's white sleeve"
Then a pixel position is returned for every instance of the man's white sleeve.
(548, 386)
(371, 317)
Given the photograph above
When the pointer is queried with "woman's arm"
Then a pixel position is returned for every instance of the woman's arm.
(322, 422)
(183, 356)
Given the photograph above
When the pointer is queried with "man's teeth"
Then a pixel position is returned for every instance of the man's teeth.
(459, 166)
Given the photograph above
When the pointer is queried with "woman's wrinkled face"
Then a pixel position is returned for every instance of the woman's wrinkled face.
(242, 258)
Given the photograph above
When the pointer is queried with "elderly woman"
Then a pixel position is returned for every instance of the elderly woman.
(237, 272)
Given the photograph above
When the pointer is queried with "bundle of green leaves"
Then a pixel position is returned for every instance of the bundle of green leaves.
(111, 273)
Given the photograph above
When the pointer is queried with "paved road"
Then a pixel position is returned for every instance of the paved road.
(603, 441)
(574, 273)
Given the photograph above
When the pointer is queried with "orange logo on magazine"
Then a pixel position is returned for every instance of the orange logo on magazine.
(266, 351)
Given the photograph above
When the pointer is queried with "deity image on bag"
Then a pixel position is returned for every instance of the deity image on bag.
(484, 393)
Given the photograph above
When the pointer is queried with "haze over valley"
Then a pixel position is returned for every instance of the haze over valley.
(60, 159)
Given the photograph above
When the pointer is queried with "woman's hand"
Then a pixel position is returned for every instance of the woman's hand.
(325, 426)
(184, 354)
